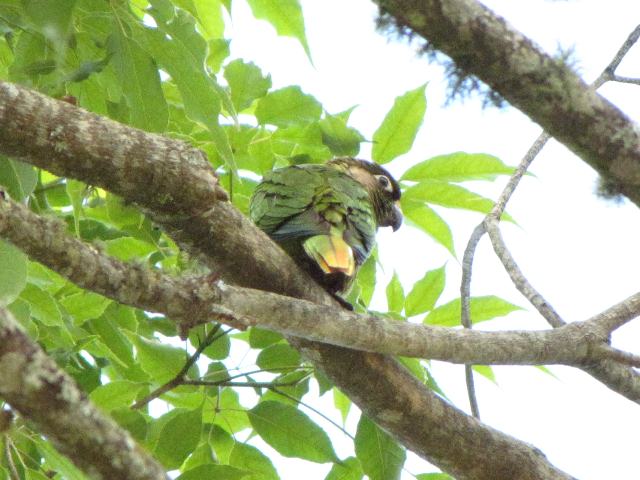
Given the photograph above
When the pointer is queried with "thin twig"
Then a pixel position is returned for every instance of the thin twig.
(471, 391)
(609, 71)
(513, 182)
(179, 379)
(465, 296)
(261, 370)
(317, 412)
(467, 265)
(621, 79)
(48, 186)
(517, 277)
(250, 383)
(13, 471)
(467, 261)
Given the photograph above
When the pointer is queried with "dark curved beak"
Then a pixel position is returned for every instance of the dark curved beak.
(395, 217)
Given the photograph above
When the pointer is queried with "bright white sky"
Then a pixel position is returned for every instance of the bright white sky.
(581, 252)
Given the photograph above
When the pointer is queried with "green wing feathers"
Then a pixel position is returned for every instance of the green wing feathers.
(318, 212)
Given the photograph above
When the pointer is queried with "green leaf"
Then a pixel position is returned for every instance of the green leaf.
(160, 361)
(261, 338)
(380, 455)
(43, 306)
(415, 366)
(434, 476)
(219, 349)
(129, 248)
(261, 151)
(341, 139)
(57, 462)
(287, 107)
(482, 309)
(121, 213)
(219, 472)
(202, 455)
(179, 437)
(458, 167)
(231, 415)
(398, 130)
(250, 458)
(348, 469)
(303, 143)
(291, 433)
(449, 195)
(218, 52)
(133, 421)
(13, 272)
(545, 370)
(137, 70)
(246, 83)
(395, 294)
(84, 306)
(486, 371)
(52, 18)
(181, 50)
(116, 394)
(342, 403)
(30, 475)
(76, 191)
(18, 178)
(426, 219)
(366, 280)
(277, 357)
(222, 442)
(209, 16)
(44, 278)
(285, 16)
(425, 292)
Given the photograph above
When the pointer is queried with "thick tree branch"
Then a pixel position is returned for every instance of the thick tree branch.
(544, 88)
(194, 300)
(384, 390)
(35, 386)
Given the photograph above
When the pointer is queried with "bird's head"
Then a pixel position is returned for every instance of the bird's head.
(383, 189)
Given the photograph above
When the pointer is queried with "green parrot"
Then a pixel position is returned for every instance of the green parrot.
(325, 216)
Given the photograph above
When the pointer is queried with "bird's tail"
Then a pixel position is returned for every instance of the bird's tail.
(331, 253)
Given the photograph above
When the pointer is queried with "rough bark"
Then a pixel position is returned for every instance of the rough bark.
(61, 138)
(32, 383)
(191, 300)
(542, 87)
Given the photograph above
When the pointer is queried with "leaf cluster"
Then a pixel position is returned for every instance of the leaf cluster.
(164, 66)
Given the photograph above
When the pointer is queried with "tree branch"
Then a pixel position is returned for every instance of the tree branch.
(240, 253)
(33, 385)
(517, 277)
(194, 300)
(612, 367)
(546, 89)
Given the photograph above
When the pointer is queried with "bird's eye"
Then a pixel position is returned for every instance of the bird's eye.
(384, 182)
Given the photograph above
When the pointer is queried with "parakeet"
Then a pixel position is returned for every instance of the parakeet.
(325, 216)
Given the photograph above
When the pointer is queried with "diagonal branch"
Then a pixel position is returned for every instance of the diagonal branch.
(35, 386)
(484, 45)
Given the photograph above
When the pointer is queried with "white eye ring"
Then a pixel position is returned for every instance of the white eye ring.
(384, 182)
